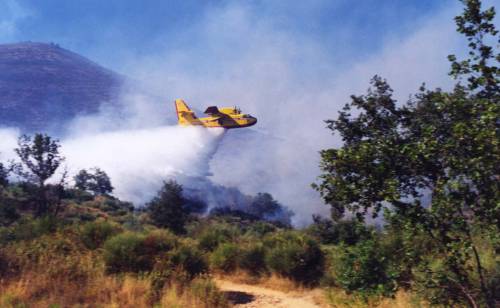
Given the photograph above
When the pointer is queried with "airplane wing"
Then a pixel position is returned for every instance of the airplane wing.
(213, 111)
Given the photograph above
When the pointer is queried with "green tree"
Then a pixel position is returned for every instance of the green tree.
(4, 181)
(433, 161)
(8, 211)
(481, 69)
(364, 267)
(265, 207)
(348, 232)
(96, 181)
(40, 155)
(167, 209)
(82, 179)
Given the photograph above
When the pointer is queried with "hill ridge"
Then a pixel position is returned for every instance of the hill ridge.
(42, 86)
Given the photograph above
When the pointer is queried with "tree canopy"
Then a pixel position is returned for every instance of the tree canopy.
(96, 181)
(40, 154)
(167, 209)
(433, 162)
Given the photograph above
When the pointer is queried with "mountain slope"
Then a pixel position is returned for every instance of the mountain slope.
(42, 86)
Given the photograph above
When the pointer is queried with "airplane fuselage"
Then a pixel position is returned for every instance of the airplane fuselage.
(226, 117)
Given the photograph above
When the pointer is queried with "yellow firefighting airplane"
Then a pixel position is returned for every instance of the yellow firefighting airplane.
(226, 117)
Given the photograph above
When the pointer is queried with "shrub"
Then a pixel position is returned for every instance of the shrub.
(348, 232)
(132, 252)
(8, 213)
(253, 259)
(4, 264)
(189, 259)
(77, 195)
(28, 229)
(215, 235)
(206, 292)
(228, 212)
(261, 228)
(365, 269)
(94, 234)
(225, 257)
(295, 256)
(122, 253)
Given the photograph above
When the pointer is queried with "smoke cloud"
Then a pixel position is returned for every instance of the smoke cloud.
(290, 82)
(8, 142)
(137, 161)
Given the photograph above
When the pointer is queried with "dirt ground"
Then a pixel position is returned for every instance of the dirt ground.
(250, 296)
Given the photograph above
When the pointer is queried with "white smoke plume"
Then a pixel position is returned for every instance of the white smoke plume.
(137, 161)
(8, 142)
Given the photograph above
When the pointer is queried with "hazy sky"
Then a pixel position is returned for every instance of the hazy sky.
(113, 32)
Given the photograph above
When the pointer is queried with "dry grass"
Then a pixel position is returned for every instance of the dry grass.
(57, 271)
(339, 298)
(105, 291)
(272, 281)
(38, 290)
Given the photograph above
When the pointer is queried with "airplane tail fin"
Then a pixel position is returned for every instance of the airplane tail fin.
(185, 115)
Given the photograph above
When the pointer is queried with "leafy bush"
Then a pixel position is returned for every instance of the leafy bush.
(294, 256)
(178, 266)
(122, 253)
(365, 269)
(132, 252)
(348, 232)
(4, 264)
(8, 213)
(229, 212)
(260, 228)
(94, 234)
(225, 257)
(252, 259)
(77, 195)
(189, 259)
(215, 235)
(28, 229)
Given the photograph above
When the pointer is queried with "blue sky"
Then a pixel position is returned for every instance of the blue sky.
(112, 32)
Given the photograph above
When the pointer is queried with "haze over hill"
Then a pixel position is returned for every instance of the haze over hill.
(43, 86)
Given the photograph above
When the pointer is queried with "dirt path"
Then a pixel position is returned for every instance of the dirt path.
(249, 296)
